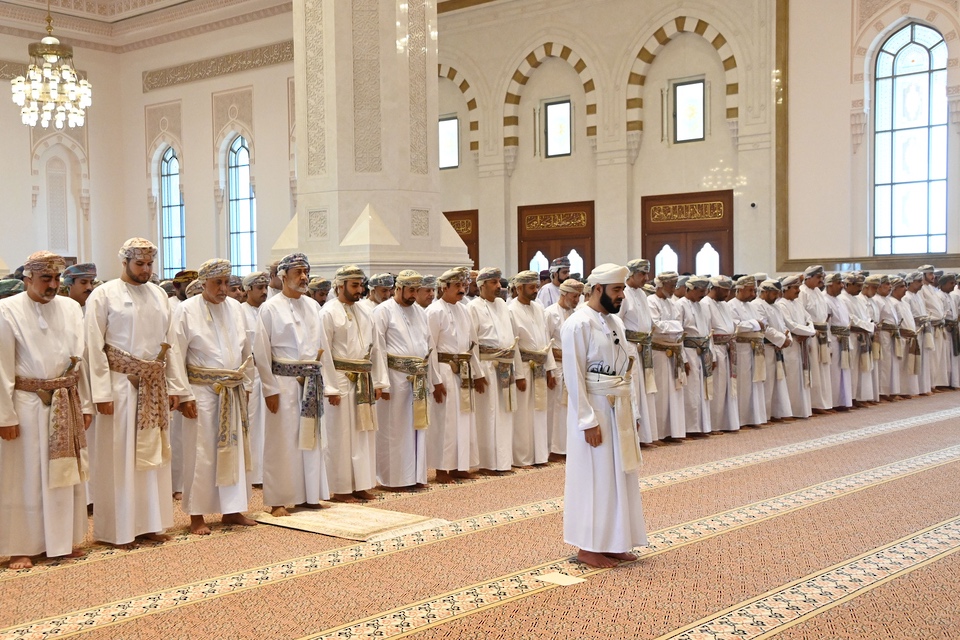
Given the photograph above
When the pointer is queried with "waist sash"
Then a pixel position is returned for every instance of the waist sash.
(843, 334)
(755, 340)
(924, 325)
(616, 390)
(153, 410)
(308, 374)
(416, 370)
(503, 364)
(729, 343)
(232, 422)
(644, 343)
(951, 327)
(823, 335)
(777, 359)
(457, 362)
(702, 347)
(359, 372)
(537, 360)
(67, 443)
(673, 350)
(894, 331)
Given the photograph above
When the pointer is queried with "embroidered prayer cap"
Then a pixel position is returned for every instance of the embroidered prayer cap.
(607, 273)
(43, 262)
(348, 272)
(563, 262)
(925, 268)
(896, 281)
(938, 272)
(945, 278)
(640, 265)
(649, 289)
(257, 278)
(137, 249)
(571, 286)
(194, 288)
(874, 279)
(382, 280)
(428, 282)
(850, 278)
(292, 261)
(721, 282)
(235, 281)
(791, 281)
(85, 270)
(526, 277)
(812, 272)
(770, 285)
(457, 274)
(682, 281)
(488, 273)
(185, 277)
(319, 284)
(408, 278)
(10, 287)
(666, 276)
(761, 277)
(746, 281)
(912, 277)
(697, 282)
(832, 277)
(213, 268)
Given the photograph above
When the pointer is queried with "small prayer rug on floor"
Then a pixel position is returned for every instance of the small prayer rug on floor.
(353, 522)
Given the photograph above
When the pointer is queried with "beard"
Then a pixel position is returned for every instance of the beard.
(609, 304)
(143, 278)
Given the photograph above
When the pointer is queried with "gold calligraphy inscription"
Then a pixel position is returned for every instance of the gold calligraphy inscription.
(686, 211)
(462, 227)
(547, 221)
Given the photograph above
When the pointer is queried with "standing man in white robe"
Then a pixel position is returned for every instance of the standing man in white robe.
(427, 292)
(135, 383)
(452, 436)
(502, 367)
(556, 314)
(180, 282)
(215, 427)
(45, 409)
(938, 356)
(355, 375)
(921, 319)
(776, 338)
(814, 301)
(797, 357)
(910, 334)
(668, 359)
(530, 426)
(287, 349)
(603, 513)
(891, 342)
(947, 284)
(724, 407)
(751, 358)
(861, 339)
(841, 359)
(402, 412)
(380, 289)
(871, 307)
(255, 285)
(635, 314)
(699, 350)
(550, 292)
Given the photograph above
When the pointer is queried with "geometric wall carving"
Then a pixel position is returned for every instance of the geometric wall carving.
(233, 110)
(316, 94)
(271, 54)
(417, 63)
(420, 223)
(366, 86)
(317, 224)
(162, 125)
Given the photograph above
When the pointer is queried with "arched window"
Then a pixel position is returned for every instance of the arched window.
(910, 161)
(242, 219)
(173, 257)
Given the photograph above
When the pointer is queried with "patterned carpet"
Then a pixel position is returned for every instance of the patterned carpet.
(841, 526)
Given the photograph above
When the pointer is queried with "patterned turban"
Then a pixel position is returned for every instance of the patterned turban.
(832, 277)
(457, 274)
(137, 249)
(641, 265)
(292, 261)
(607, 273)
(235, 281)
(526, 277)
(851, 278)
(896, 281)
(760, 277)
(318, 284)
(488, 273)
(746, 281)
(875, 279)
(85, 270)
(429, 282)
(407, 278)
(666, 276)
(682, 281)
(945, 278)
(697, 282)
(649, 289)
(912, 277)
(254, 279)
(791, 281)
(194, 288)
(812, 271)
(10, 287)
(382, 280)
(42, 262)
(563, 262)
(926, 268)
(185, 277)
(770, 285)
(213, 268)
(571, 286)
(721, 282)
(348, 272)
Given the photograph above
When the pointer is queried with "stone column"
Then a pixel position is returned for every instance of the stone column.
(368, 181)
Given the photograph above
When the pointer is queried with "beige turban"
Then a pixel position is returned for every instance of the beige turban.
(791, 281)
(457, 274)
(697, 282)
(254, 279)
(571, 286)
(641, 265)
(812, 271)
(666, 276)
(194, 288)
(43, 262)
(874, 279)
(348, 272)
(407, 278)
(746, 281)
(489, 273)
(721, 282)
(214, 268)
(429, 282)
(318, 284)
(832, 278)
(769, 285)
(607, 273)
(526, 277)
(138, 249)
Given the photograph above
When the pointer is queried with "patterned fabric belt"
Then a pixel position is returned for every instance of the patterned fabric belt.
(951, 327)
(416, 370)
(937, 324)
(722, 339)
(891, 328)
(537, 360)
(755, 340)
(496, 353)
(456, 361)
(644, 342)
(308, 374)
(673, 350)
(503, 362)
(907, 333)
(233, 421)
(558, 353)
(702, 347)
(639, 337)
(358, 372)
(840, 330)
(153, 410)
(67, 457)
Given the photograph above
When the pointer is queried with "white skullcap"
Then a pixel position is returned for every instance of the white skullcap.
(607, 273)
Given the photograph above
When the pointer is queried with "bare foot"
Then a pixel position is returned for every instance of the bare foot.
(463, 475)
(344, 497)
(127, 546)
(596, 559)
(443, 477)
(488, 472)
(523, 466)
(363, 495)
(198, 527)
(178, 495)
(391, 489)
(155, 537)
(316, 506)
(277, 512)
(258, 485)
(76, 553)
(556, 457)
(20, 562)
(237, 518)
(626, 557)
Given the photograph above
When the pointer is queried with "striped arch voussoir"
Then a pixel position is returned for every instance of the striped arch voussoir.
(511, 103)
(651, 49)
(445, 71)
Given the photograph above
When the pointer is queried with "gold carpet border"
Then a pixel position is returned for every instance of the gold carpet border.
(100, 553)
(741, 620)
(120, 611)
(437, 610)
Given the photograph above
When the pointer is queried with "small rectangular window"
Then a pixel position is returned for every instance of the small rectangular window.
(689, 112)
(449, 142)
(556, 125)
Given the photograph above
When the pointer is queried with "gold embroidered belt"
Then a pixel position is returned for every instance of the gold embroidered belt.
(503, 362)
(673, 350)
(359, 372)
(755, 340)
(232, 424)
(558, 354)
(67, 443)
(153, 409)
(416, 370)
(537, 360)
(457, 362)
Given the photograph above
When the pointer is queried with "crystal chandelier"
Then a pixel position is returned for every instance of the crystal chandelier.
(52, 91)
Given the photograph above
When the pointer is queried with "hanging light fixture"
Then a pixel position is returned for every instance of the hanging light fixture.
(52, 90)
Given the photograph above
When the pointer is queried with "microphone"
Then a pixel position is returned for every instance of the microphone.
(616, 339)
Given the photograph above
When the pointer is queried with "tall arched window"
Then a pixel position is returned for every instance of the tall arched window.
(242, 217)
(173, 257)
(910, 163)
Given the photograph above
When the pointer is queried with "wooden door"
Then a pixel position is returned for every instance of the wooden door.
(688, 222)
(555, 230)
(466, 224)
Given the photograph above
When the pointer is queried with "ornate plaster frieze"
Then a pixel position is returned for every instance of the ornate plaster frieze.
(10, 70)
(271, 54)
(417, 64)
(368, 156)
(316, 88)
(162, 126)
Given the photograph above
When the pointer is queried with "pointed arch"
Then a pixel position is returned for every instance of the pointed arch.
(470, 95)
(511, 102)
(655, 44)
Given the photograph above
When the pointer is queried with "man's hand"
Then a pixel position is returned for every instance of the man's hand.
(378, 393)
(439, 393)
(480, 384)
(763, 325)
(551, 381)
(686, 367)
(521, 384)
(385, 395)
(593, 437)
(273, 403)
(10, 433)
(105, 408)
(87, 421)
(189, 409)
(174, 403)
(787, 343)
(334, 400)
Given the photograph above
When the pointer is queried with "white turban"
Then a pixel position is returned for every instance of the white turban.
(607, 273)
